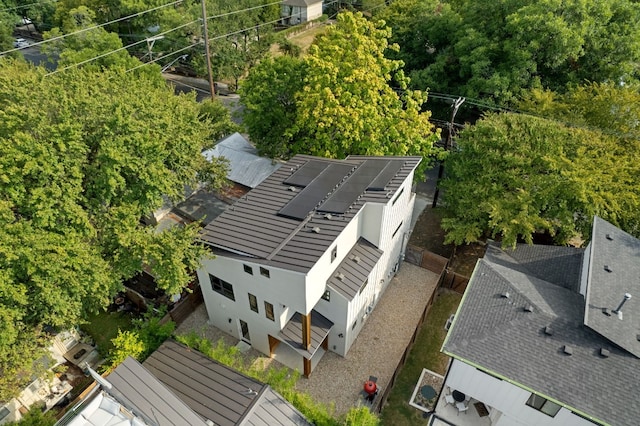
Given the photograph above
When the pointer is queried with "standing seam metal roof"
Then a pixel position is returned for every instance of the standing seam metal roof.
(253, 227)
(355, 268)
(291, 334)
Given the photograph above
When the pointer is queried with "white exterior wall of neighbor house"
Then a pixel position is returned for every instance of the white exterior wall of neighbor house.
(285, 290)
(509, 400)
(314, 11)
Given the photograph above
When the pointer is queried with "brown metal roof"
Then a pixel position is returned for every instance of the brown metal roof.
(136, 388)
(291, 334)
(354, 270)
(253, 227)
(212, 390)
(272, 409)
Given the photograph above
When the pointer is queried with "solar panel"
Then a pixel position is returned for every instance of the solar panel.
(357, 183)
(307, 173)
(324, 183)
(383, 178)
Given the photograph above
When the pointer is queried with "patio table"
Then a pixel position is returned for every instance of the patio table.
(427, 392)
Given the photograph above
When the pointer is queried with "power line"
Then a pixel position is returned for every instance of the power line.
(25, 5)
(95, 26)
(244, 10)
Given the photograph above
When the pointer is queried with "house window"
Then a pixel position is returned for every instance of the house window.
(4, 412)
(248, 269)
(397, 196)
(253, 303)
(334, 253)
(222, 287)
(397, 229)
(268, 311)
(264, 272)
(364, 285)
(353, 327)
(327, 296)
(544, 405)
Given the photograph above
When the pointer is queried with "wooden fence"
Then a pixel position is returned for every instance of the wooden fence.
(184, 307)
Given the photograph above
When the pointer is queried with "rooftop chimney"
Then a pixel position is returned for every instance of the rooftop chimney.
(618, 310)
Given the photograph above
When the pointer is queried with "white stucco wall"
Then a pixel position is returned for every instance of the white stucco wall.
(505, 397)
(314, 11)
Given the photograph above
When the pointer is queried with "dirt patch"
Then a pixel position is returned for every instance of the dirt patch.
(429, 235)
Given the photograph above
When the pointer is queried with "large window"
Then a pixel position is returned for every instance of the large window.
(544, 405)
(222, 287)
(253, 303)
(268, 311)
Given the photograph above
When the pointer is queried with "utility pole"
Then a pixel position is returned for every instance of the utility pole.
(212, 87)
(456, 104)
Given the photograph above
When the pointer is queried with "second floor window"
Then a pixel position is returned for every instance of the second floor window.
(253, 303)
(222, 287)
(268, 311)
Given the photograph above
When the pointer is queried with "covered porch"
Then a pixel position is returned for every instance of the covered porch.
(454, 407)
(306, 340)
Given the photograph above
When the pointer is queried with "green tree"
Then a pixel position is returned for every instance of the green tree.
(515, 175)
(83, 157)
(343, 104)
(494, 49)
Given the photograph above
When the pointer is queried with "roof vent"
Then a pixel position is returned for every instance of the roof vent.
(528, 308)
(567, 350)
(606, 311)
(548, 331)
(340, 276)
(505, 295)
(609, 237)
(292, 189)
(355, 258)
(315, 229)
(328, 216)
(604, 353)
(618, 310)
(608, 268)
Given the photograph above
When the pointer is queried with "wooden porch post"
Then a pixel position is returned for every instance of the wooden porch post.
(306, 331)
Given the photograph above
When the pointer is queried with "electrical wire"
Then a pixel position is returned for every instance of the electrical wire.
(25, 5)
(135, 15)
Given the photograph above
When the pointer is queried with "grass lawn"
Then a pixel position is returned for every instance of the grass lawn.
(302, 40)
(424, 354)
(104, 326)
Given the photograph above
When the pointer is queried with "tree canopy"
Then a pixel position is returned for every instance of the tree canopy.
(492, 50)
(514, 175)
(343, 97)
(83, 157)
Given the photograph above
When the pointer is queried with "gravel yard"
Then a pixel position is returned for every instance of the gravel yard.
(376, 352)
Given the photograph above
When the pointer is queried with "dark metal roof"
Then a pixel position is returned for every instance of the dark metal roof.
(272, 409)
(138, 389)
(291, 334)
(619, 252)
(354, 270)
(253, 227)
(212, 390)
(499, 336)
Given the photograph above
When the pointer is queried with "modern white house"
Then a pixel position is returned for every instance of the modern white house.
(548, 335)
(302, 259)
(295, 12)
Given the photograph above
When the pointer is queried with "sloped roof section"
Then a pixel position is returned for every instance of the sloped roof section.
(500, 328)
(138, 389)
(273, 409)
(212, 390)
(252, 226)
(291, 334)
(614, 271)
(246, 167)
(354, 270)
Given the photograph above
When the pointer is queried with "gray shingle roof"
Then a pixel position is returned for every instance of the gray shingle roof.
(354, 270)
(500, 337)
(246, 167)
(217, 392)
(620, 252)
(252, 226)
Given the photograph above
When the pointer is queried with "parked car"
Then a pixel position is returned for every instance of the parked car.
(20, 42)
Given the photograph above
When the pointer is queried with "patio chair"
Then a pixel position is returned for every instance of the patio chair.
(449, 399)
(461, 406)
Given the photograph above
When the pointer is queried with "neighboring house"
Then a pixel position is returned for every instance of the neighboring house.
(177, 386)
(50, 390)
(246, 167)
(295, 12)
(543, 335)
(303, 258)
